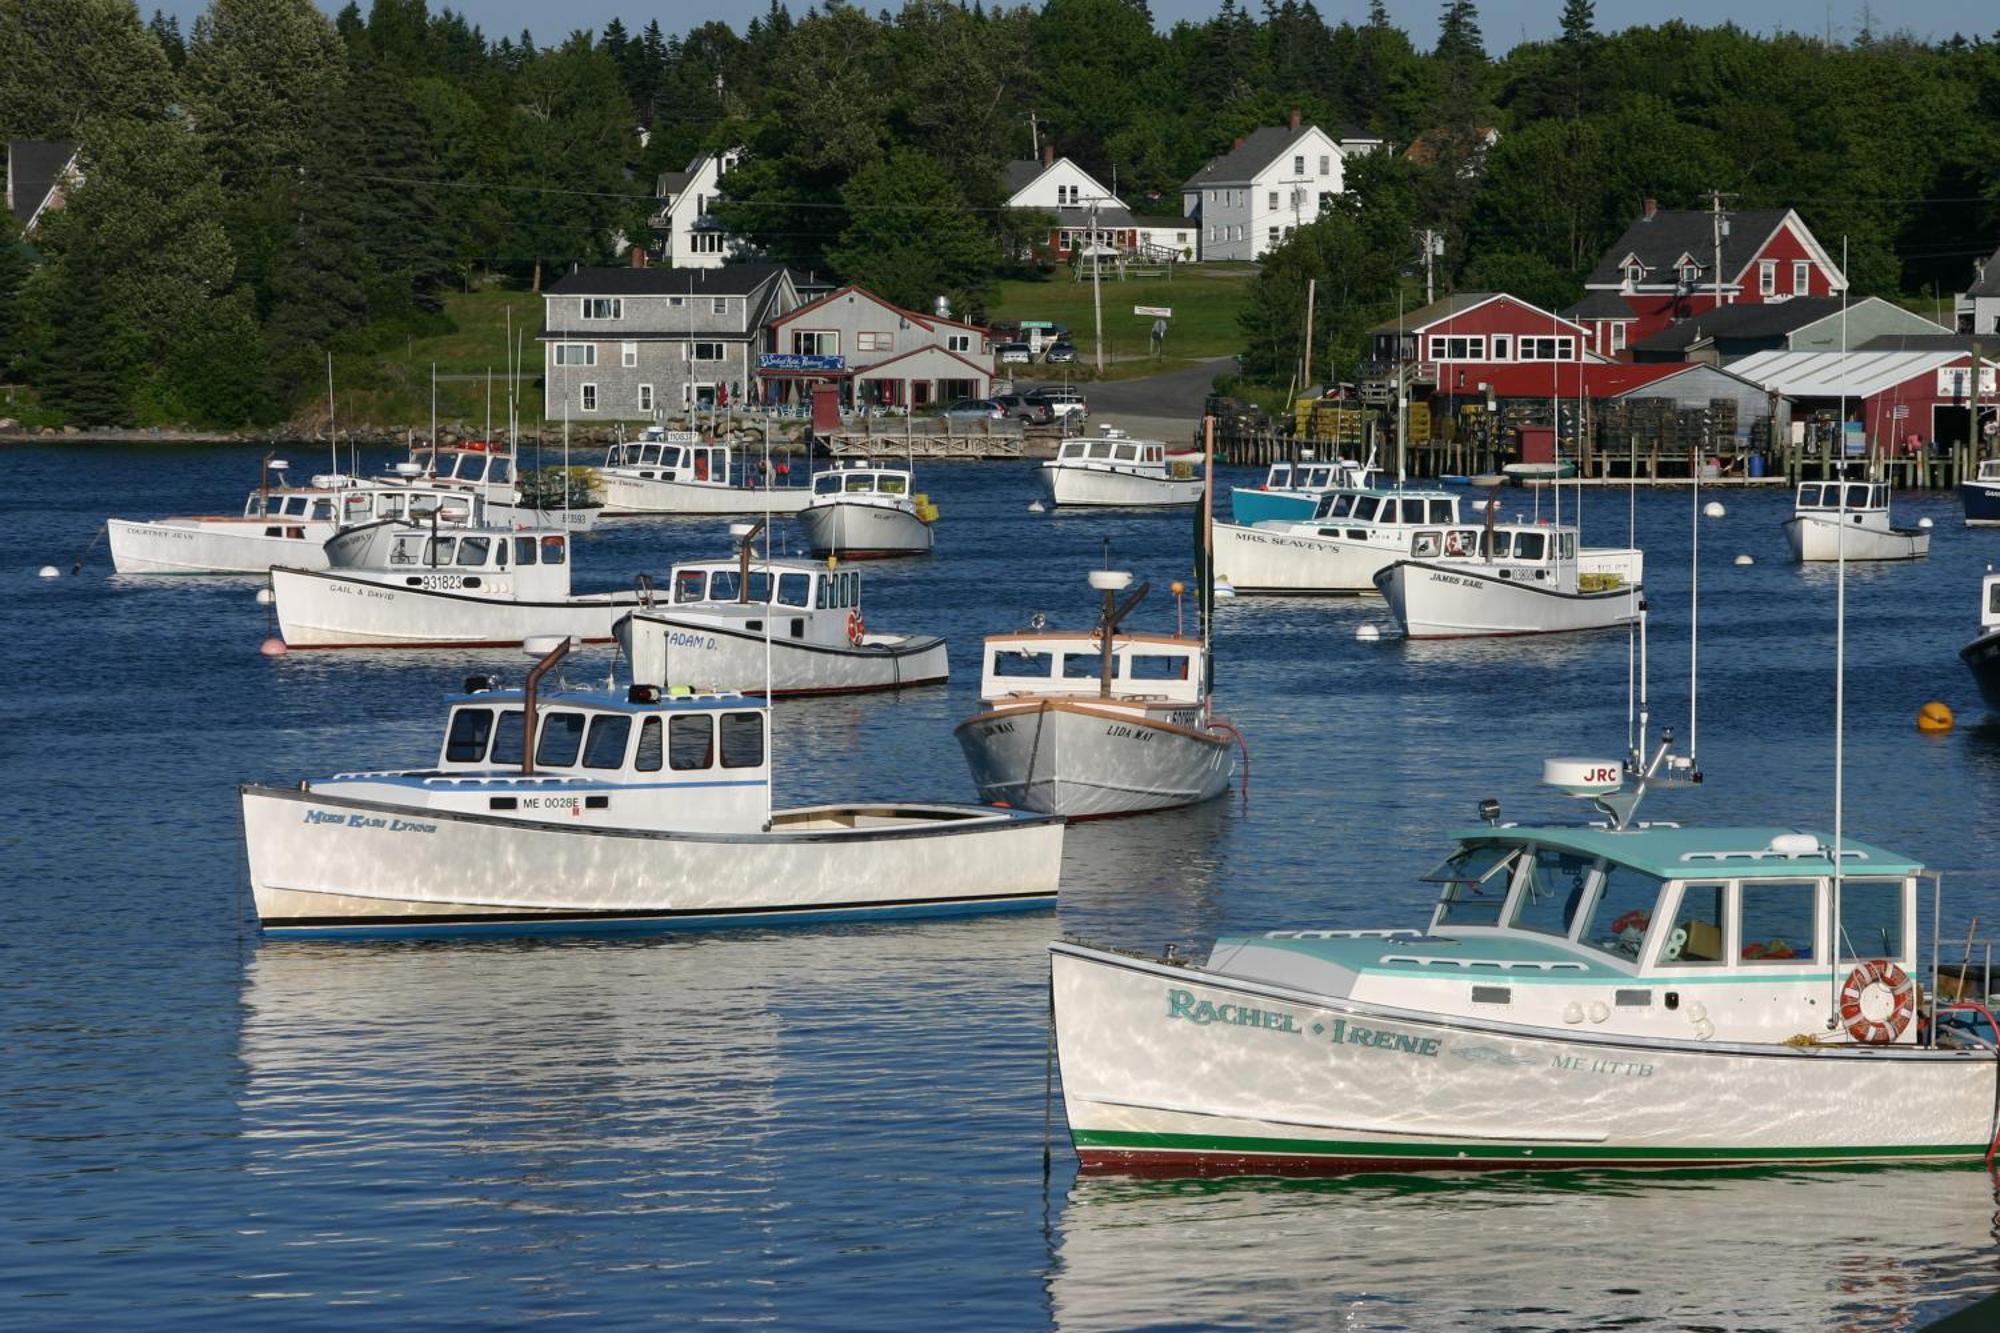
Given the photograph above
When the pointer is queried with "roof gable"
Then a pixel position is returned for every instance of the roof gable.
(1988, 281)
(744, 279)
(1257, 151)
(35, 168)
(1669, 235)
(930, 322)
(1460, 303)
(1021, 182)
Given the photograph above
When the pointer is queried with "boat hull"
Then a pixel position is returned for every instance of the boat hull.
(626, 496)
(1982, 503)
(1265, 560)
(1445, 602)
(859, 531)
(1105, 487)
(1069, 759)
(1813, 538)
(335, 610)
(666, 650)
(1982, 659)
(331, 866)
(1251, 504)
(1175, 1071)
(225, 546)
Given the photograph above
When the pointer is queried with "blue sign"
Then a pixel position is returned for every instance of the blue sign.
(799, 361)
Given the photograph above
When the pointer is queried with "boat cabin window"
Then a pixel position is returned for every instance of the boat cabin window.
(524, 550)
(1871, 919)
(1365, 507)
(554, 549)
(1022, 665)
(440, 550)
(1461, 541)
(1100, 449)
(1128, 453)
(1336, 506)
(1622, 911)
(1531, 546)
(1157, 666)
(1780, 921)
(647, 757)
(1319, 478)
(499, 470)
(826, 483)
(1413, 511)
(1155, 453)
(408, 549)
(860, 482)
(690, 585)
(472, 551)
(1993, 598)
(1085, 666)
(471, 728)
(560, 738)
(742, 740)
(507, 738)
(1280, 477)
(1551, 892)
(606, 746)
(323, 508)
(1426, 544)
(1440, 511)
(725, 585)
(1696, 934)
(1566, 544)
(892, 484)
(795, 589)
(691, 743)
(1075, 450)
(1476, 880)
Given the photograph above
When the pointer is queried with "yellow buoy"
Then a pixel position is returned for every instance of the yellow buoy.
(1934, 718)
(1177, 588)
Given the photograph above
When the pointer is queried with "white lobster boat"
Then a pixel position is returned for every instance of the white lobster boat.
(1115, 471)
(1610, 994)
(1087, 723)
(490, 471)
(710, 632)
(862, 511)
(1352, 535)
(1512, 579)
(624, 812)
(1982, 655)
(471, 588)
(677, 472)
(1835, 519)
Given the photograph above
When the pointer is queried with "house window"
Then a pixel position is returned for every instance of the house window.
(705, 352)
(1635, 273)
(601, 307)
(676, 302)
(958, 342)
(1325, 165)
(646, 398)
(1299, 165)
(1618, 335)
(1801, 277)
(576, 354)
(874, 342)
(1502, 347)
(587, 397)
(628, 355)
(1274, 199)
(1273, 239)
(1767, 277)
(812, 342)
(1690, 274)
(721, 306)
(1448, 348)
(703, 243)
(1548, 349)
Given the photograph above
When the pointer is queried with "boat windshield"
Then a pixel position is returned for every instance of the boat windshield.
(1475, 879)
(1624, 908)
(1338, 505)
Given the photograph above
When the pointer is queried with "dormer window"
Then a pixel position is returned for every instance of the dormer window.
(1635, 273)
(1690, 273)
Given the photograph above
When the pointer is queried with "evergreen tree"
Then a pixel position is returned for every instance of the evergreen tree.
(63, 62)
(166, 30)
(911, 237)
(82, 368)
(258, 74)
(14, 269)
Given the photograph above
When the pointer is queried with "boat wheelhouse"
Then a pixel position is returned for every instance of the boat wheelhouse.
(592, 810)
(490, 471)
(1980, 494)
(1113, 470)
(1982, 655)
(1607, 994)
(1836, 520)
(1294, 489)
(678, 472)
(709, 631)
(861, 510)
(1511, 579)
(1350, 536)
(470, 588)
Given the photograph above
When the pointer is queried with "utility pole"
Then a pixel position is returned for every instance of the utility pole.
(1096, 287)
(1433, 245)
(1719, 227)
(1306, 379)
(1035, 135)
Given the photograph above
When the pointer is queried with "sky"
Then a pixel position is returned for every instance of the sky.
(1505, 22)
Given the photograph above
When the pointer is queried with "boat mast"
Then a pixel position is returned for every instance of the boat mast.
(1839, 679)
(332, 434)
(1207, 556)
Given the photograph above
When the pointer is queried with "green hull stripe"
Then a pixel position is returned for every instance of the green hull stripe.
(1134, 1141)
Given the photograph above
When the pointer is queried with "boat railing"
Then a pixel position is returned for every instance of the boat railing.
(1502, 964)
(1397, 934)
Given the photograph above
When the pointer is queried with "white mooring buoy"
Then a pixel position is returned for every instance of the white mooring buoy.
(1745, 560)
(1368, 633)
(264, 597)
(1714, 509)
(1037, 507)
(48, 572)
(273, 647)
(1925, 523)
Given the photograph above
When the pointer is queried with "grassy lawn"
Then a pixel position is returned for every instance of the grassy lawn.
(393, 387)
(1205, 299)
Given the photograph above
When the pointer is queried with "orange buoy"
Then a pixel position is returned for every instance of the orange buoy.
(1934, 718)
(273, 647)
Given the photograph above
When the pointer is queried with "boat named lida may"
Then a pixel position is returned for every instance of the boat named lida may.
(1087, 723)
(1850, 520)
(1511, 579)
(1604, 994)
(867, 511)
(723, 624)
(622, 811)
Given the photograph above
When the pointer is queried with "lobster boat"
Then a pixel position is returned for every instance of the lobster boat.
(1351, 535)
(1982, 655)
(1981, 495)
(1511, 579)
(566, 809)
(678, 472)
(1293, 490)
(488, 469)
(1114, 471)
(1611, 993)
(1837, 520)
(723, 623)
(862, 511)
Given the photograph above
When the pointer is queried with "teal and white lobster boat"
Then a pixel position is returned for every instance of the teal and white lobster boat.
(1606, 994)
(1293, 490)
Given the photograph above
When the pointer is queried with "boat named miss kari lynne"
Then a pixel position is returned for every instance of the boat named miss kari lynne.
(618, 811)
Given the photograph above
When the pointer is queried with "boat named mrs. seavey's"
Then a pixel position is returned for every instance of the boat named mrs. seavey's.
(1584, 995)
(619, 811)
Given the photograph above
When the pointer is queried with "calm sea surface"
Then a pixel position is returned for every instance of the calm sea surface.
(844, 1128)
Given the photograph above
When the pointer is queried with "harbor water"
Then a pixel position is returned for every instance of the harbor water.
(847, 1128)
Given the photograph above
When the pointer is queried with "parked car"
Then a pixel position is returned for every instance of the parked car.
(1062, 403)
(973, 409)
(1018, 406)
(1061, 354)
(1014, 354)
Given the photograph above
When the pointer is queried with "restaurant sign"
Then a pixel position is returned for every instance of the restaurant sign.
(799, 361)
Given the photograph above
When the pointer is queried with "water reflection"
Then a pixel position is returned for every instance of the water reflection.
(1881, 1249)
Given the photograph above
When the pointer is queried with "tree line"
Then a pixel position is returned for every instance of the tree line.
(274, 184)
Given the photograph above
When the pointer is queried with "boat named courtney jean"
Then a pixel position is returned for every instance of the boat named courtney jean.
(594, 810)
(470, 588)
(1511, 579)
(1608, 994)
(1352, 534)
(678, 472)
(1112, 470)
(1850, 519)
(724, 623)
(864, 511)
(1100, 721)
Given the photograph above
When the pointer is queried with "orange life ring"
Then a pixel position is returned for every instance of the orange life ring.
(1877, 972)
(856, 628)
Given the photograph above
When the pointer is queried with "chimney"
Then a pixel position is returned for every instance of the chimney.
(638, 256)
(1238, 143)
(1652, 207)
(1295, 117)
(1049, 154)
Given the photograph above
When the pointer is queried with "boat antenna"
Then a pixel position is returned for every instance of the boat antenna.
(332, 434)
(1694, 609)
(770, 607)
(1839, 672)
(1402, 390)
(1207, 606)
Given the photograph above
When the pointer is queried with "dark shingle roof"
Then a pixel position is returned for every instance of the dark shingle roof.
(1442, 308)
(32, 168)
(1259, 149)
(1989, 278)
(728, 280)
(1662, 239)
(1771, 319)
(1016, 176)
(1928, 342)
(1600, 305)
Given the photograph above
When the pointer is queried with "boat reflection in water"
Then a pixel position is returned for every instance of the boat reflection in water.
(1792, 1250)
(1148, 878)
